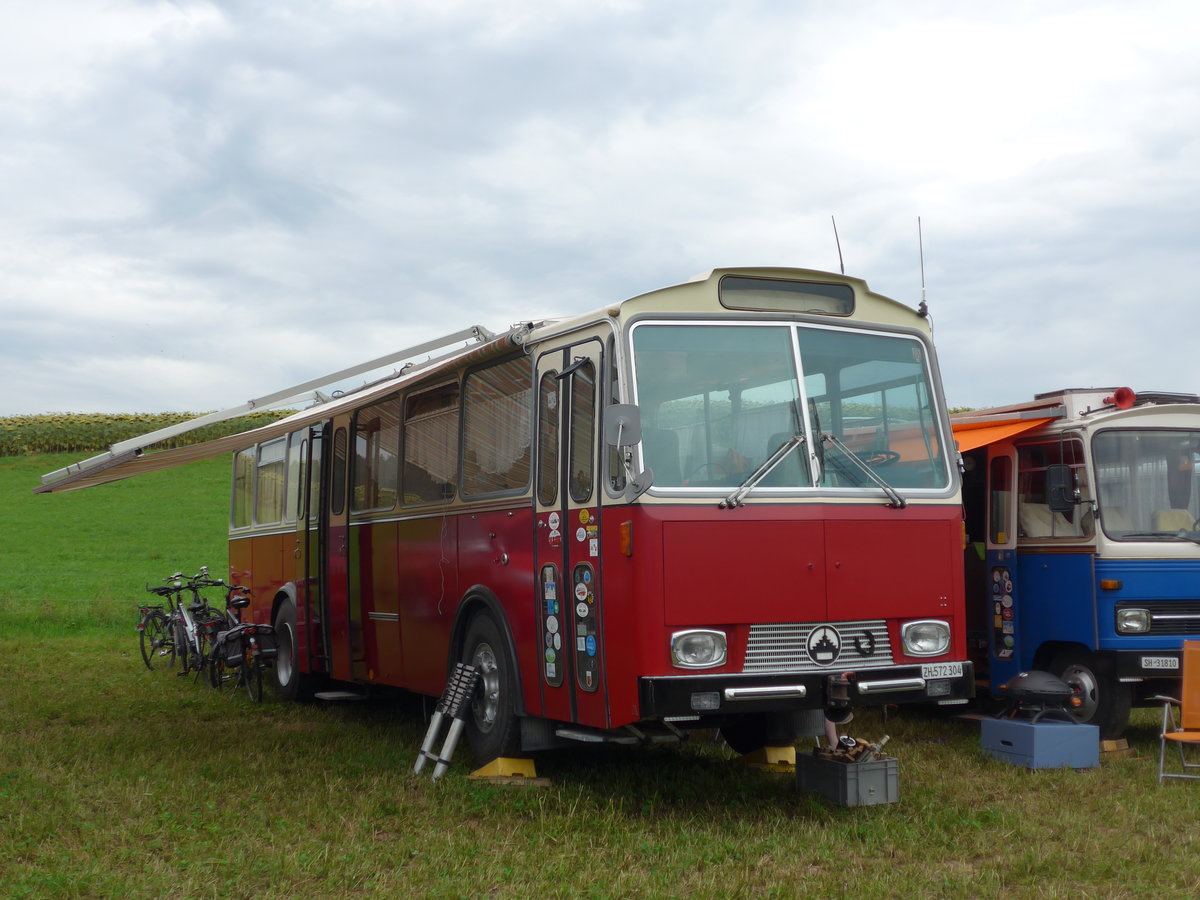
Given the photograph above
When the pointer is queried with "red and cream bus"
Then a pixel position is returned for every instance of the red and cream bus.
(732, 503)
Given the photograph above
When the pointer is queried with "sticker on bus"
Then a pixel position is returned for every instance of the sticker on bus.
(942, 670)
(1160, 662)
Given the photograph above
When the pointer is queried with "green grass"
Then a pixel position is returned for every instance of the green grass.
(120, 782)
(105, 543)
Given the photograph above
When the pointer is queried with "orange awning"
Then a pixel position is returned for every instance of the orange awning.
(970, 435)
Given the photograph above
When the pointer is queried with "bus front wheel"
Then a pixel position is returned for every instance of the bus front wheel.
(1104, 701)
(492, 727)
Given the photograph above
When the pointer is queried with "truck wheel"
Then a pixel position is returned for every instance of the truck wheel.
(492, 728)
(1105, 701)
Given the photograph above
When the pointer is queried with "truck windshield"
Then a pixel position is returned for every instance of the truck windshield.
(1146, 482)
(718, 400)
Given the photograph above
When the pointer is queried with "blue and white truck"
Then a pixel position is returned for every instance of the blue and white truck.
(1082, 543)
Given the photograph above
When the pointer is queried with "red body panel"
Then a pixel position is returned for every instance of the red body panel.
(691, 567)
(773, 564)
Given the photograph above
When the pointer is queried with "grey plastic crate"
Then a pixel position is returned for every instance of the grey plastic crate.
(849, 784)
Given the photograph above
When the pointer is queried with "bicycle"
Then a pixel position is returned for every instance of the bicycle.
(193, 625)
(245, 647)
(155, 633)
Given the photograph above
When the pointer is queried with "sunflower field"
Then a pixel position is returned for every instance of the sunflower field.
(88, 432)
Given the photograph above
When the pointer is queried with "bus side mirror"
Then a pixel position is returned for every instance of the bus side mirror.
(623, 430)
(1061, 495)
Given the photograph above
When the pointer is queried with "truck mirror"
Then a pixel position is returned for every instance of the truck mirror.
(623, 429)
(1061, 495)
(622, 424)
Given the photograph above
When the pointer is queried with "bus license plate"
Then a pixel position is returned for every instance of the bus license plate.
(941, 670)
(1160, 662)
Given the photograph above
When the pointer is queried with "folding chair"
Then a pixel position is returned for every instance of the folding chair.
(1183, 728)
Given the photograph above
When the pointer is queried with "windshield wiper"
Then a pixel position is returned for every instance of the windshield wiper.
(764, 469)
(894, 498)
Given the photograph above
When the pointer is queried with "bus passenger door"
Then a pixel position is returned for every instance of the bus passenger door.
(308, 553)
(335, 554)
(569, 584)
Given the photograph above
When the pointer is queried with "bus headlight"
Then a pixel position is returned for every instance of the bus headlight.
(1133, 621)
(698, 649)
(927, 637)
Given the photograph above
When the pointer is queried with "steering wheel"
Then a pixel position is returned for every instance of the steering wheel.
(877, 459)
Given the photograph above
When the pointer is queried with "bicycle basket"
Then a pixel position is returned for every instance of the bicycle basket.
(230, 647)
(264, 641)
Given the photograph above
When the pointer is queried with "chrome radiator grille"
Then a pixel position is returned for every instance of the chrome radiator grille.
(782, 647)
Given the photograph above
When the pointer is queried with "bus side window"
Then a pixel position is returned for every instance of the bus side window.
(269, 478)
(497, 427)
(376, 446)
(337, 500)
(243, 487)
(431, 445)
(295, 475)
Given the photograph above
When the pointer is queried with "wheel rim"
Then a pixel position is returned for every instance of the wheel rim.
(283, 655)
(1083, 682)
(487, 698)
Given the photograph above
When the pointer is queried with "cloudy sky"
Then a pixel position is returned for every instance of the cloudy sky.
(206, 201)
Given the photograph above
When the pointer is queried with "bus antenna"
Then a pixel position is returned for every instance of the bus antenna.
(837, 241)
(923, 309)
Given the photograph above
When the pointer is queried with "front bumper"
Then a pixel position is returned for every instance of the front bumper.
(687, 696)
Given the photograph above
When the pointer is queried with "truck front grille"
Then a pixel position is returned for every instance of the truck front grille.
(782, 647)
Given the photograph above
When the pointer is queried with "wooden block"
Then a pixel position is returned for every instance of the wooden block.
(1116, 749)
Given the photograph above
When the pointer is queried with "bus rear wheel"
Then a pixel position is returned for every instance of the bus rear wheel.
(492, 727)
(289, 684)
(1104, 701)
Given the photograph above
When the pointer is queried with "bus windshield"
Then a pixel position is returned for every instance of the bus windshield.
(718, 400)
(1146, 482)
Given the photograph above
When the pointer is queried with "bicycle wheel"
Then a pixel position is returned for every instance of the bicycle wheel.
(155, 641)
(252, 673)
(204, 646)
(217, 672)
(183, 648)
